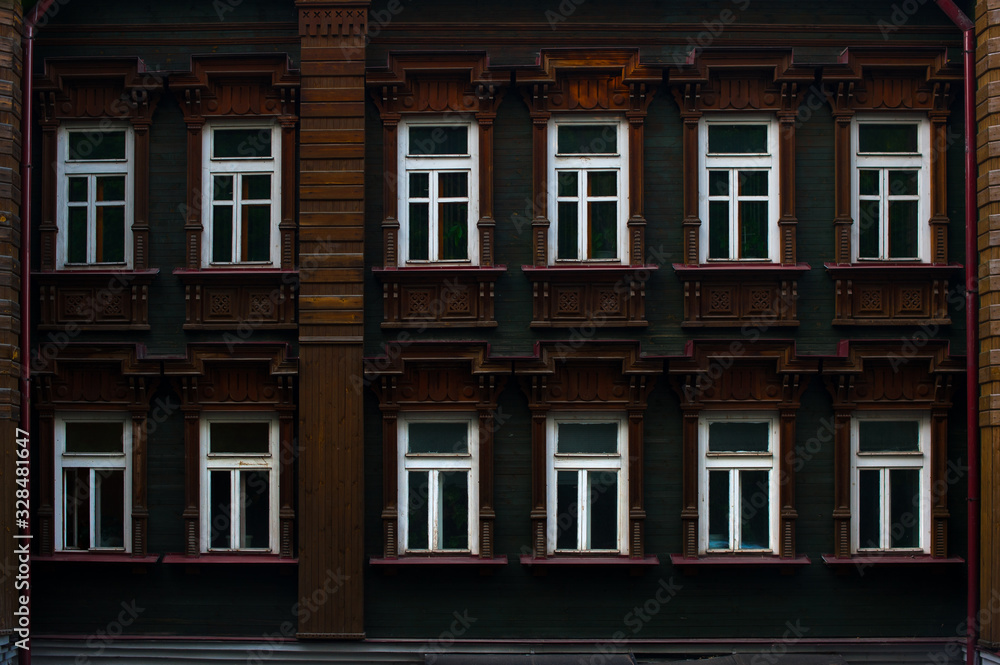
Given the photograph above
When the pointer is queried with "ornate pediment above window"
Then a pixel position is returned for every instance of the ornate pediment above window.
(237, 86)
(119, 88)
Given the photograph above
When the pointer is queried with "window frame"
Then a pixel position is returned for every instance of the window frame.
(93, 461)
(732, 162)
(708, 461)
(237, 462)
(436, 462)
(919, 161)
(556, 462)
(436, 164)
(239, 167)
(557, 162)
(887, 461)
(65, 168)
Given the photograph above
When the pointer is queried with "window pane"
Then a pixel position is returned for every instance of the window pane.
(902, 229)
(220, 496)
(454, 223)
(420, 187)
(76, 502)
(242, 143)
(222, 234)
(887, 137)
(222, 188)
(567, 510)
(603, 229)
(257, 233)
(257, 187)
(587, 438)
(453, 515)
(110, 234)
(869, 508)
(419, 231)
(78, 190)
(255, 494)
(753, 229)
(587, 139)
(602, 494)
(868, 230)
(602, 183)
(718, 510)
(94, 144)
(718, 229)
(76, 250)
(109, 511)
(737, 139)
(755, 512)
(753, 183)
(111, 188)
(94, 437)
(868, 182)
(904, 507)
(731, 437)
(440, 438)
(567, 183)
(888, 436)
(453, 185)
(718, 183)
(239, 437)
(567, 228)
(903, 183)
(416, 521)
(439, 140)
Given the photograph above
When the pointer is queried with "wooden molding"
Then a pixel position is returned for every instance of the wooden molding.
(94, 300)
(871, 294)
(230, 299)
(584, 295)
(439, 297)
(740, 294)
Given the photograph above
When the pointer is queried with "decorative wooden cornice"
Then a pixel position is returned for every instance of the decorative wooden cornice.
(97, 88)
(237, 86)
(249, 375)
(436, 83)
(734, 80)
(332, 18)
(96, 375)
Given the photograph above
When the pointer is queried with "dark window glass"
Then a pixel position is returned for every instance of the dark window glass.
(603, 183)
(718, 183)
(110, 234)
(567, 182)
(257, 233)
(78, 190)
(718, 510)
(110, 508)
(239, 437)
(755, 532)
(731, 437)
(76, 250)
(222, 188)
(904, 183)
(255, 492)
(257, 187)
(454, 226)
(241, 143)
(111, 188)
(886, 137)
(417, 510)
(718, 229)
(93, 145)
(603, 496)
(868, 230)
(869, 509)
(737, 139)
(903, 229)
(753, 183)
(587, 140)
(888, 436)
(420, 185)
(753, 229)
(439, 140)
(567, 509)
(904, 507)
(453, 185)
(454, 516)
(438, 438)
(222, 234)
(76, 500)
(94, 437)
(221, 498)
(419, 231)
(868, 182)
(603, 229)
(567, 229)
(587, 438)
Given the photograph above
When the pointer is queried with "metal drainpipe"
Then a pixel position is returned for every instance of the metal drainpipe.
(967, 27)
(27, 111)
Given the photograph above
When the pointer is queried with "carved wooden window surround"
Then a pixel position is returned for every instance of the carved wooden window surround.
(427, 381)
(256, 93)
(84, 382)
(892, 378)
(718, 379)
(912, 84)
(599, 381)
(609, 87)
(455, 90)
(98, 95)
(253, 380)
(725, 86)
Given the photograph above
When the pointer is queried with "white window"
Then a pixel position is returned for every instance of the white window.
(95, 184)
(438, 483)
(93, 484)
(438, 191)
(890, 185)
(738, 488)
(241, 193)
(738, 182)
(890, 482)
(587, 483)
(239, 482)
(588, 189)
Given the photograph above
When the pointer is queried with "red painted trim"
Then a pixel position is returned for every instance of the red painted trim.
(528, 560)
(226, 558)
(437, 270)
(100, 273)
(209, 272)
(889, 560)
(738, 560)
(907, 268)
(87, 557)
(683, 269)
(588, 267)
(439, 561)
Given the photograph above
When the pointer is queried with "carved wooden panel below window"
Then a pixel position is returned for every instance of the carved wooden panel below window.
(736, 295)
(891, 295)
(227, 299)
(459, 297)
(92, 300)
(610, 296)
